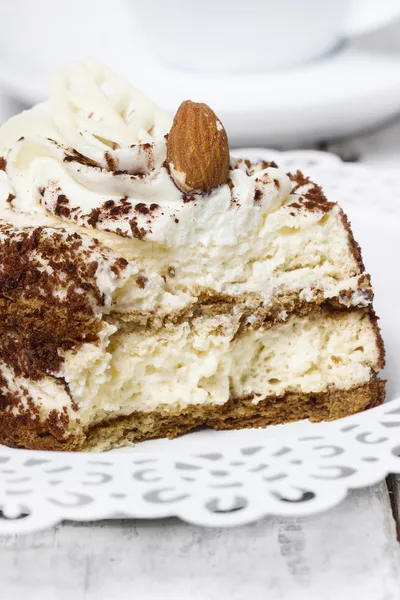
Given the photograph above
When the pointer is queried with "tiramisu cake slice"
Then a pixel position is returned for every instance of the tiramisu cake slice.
(150, 283)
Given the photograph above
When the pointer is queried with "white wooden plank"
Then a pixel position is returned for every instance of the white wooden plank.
(349, 552)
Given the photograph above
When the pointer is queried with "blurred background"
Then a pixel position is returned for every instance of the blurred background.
(287, 74)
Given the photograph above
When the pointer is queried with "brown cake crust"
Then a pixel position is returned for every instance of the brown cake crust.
(35, 323)
(20, 431)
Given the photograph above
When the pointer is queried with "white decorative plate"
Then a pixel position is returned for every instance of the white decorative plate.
(230, 478)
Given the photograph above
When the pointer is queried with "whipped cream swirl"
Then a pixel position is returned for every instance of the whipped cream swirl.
(94, 155)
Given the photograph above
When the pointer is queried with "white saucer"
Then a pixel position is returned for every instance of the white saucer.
(341, 94)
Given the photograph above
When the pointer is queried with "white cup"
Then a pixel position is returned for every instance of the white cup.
(254, 35)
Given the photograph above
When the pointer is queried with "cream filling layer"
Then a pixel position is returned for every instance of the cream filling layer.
(202, 362)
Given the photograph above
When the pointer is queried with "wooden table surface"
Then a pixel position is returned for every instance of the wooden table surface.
(350, 552)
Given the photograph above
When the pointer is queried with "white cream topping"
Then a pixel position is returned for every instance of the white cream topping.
(93, 112)
(107, 120)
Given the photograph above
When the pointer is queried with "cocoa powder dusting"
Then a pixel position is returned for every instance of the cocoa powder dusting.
(258, 195)
(111, 163)
(313, 198)
(119, 265)
(74, 156)
(142, 208)
(35, 324)
(137, 232)
(141, 281)
(94, 217)
(61, 208)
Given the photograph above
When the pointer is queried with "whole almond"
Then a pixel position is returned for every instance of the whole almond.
(198, 148)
